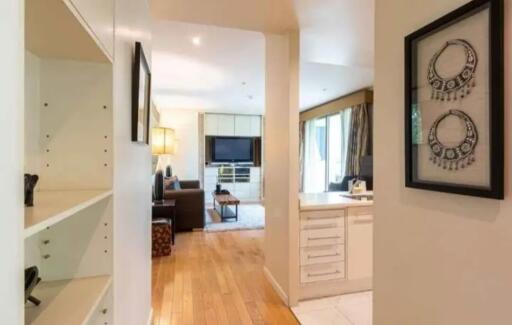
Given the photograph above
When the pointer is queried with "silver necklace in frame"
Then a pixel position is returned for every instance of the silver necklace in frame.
(459, 85)
(459, 156)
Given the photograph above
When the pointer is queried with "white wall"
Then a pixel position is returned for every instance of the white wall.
(185, 161)
(132, 171)
(281, 163)
(11, 166)
(440, 259)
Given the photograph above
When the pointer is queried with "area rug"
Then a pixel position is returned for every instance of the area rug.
(250, 216)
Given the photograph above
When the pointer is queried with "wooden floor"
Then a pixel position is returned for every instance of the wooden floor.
(216, 278)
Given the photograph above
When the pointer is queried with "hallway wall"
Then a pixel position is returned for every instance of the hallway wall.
(132, 175)
(185, 161)
(440, 259)
(11, 142)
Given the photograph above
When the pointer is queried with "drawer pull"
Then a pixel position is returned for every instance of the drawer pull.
(323, 273)
(329, 225)
(326, 237)
(324, 255)
(104, 311)
(321, 218)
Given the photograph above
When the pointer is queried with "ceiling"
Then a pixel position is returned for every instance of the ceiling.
(254, 15)
(219, 69)
(224, 72)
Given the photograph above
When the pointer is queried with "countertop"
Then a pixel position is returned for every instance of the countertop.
(330, 201)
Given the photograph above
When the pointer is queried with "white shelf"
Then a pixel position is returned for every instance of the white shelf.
(67, 301)
(51, 207)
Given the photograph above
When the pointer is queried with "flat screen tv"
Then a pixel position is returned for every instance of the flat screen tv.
(232, 149)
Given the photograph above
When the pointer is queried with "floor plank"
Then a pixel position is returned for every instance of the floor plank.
(216, 278)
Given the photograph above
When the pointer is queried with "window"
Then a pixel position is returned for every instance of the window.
(326, 141)
(315, 155)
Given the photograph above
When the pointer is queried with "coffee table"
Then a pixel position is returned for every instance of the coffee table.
(224, 201)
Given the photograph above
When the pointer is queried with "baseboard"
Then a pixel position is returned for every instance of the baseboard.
(150, 319)
(275, 285)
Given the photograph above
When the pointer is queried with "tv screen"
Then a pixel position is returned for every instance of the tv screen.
(232, 149)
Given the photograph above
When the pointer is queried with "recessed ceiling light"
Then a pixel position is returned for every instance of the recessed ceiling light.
(196, 40)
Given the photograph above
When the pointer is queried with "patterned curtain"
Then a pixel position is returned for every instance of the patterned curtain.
(359, 139)
(302, 132)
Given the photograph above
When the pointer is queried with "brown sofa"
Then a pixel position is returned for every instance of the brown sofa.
(189, 205)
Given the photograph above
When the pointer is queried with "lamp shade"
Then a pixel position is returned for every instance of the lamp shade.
(162, 141)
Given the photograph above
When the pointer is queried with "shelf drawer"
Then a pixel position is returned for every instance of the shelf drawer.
(322, 254)
(322, 272)
(322, 237)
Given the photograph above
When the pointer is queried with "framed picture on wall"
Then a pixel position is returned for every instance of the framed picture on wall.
(454, 127)
(141, 92)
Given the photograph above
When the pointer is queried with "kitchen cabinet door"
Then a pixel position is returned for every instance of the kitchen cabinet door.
(360, 243)
(226, 125)
(211, 124)
(243, 125)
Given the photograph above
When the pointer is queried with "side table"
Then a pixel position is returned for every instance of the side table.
(165, 209)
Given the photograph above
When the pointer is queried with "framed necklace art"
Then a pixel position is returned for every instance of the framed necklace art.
(454, 124)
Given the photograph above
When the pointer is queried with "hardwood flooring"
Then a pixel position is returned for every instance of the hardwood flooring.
(216, 278)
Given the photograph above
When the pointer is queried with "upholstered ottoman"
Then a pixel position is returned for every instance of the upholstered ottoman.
(161, 237)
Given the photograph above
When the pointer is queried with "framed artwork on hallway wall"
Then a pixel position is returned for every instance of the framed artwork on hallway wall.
(454, 129)
(141, 96)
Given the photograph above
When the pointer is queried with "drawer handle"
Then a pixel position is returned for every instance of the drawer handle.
(323, 273)
(323, 218)
(327, 237)
(329, 225)
(324, 255)
(104, 311)
(364, 219)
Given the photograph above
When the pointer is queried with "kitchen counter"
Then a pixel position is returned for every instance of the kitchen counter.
(331, 200)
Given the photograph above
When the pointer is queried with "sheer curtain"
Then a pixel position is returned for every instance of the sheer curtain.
(315, 155)
(325, 151)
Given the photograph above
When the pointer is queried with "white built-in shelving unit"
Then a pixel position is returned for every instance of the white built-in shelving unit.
(68, 143)
(242, 180)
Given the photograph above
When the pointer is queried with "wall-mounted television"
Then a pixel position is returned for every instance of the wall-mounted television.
(232, 149)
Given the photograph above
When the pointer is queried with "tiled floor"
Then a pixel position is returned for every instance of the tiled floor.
(350, 309)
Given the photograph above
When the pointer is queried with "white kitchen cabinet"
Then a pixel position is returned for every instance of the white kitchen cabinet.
(226, 125)
(232, 125)
(243, 125)
(99, 16)
(211, 124)
(335, 247)
(255, 130)
(360, 243)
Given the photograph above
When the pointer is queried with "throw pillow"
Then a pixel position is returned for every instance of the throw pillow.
(172, 183)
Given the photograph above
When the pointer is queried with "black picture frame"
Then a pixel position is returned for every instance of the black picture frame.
(141, 96)
(495, 190)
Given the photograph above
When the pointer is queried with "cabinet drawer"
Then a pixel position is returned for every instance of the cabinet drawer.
(322, 237)
(324, 214)
(322, 272)
(322, 223)
(322, 254)
(360, 211)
